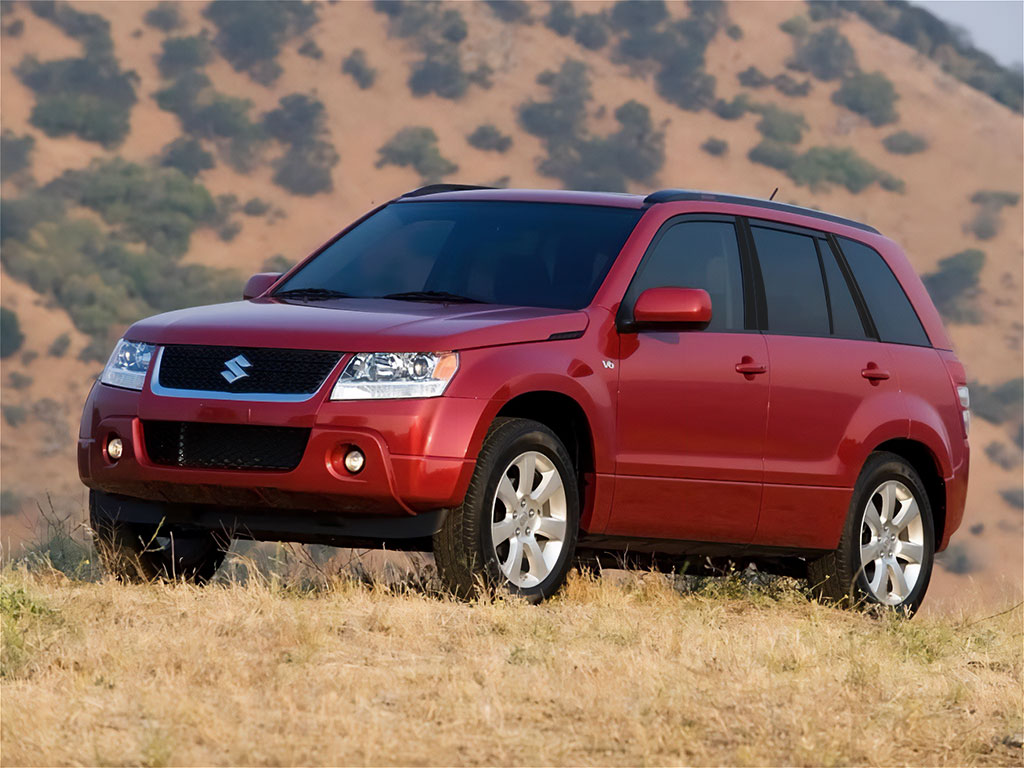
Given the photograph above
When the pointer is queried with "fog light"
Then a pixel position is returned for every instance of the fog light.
(354, 461)
(115, 448)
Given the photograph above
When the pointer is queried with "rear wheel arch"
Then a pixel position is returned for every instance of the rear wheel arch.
(923, 460)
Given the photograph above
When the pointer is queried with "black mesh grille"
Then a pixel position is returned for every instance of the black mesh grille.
(270, 371)
(224, 446)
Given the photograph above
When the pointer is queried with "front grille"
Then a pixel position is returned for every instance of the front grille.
(270, 371)
(200, 445)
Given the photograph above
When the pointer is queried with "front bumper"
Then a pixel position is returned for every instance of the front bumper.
(420, 454)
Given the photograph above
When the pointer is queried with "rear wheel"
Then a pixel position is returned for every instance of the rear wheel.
(141, 553)
(517, 527)
(887, 549)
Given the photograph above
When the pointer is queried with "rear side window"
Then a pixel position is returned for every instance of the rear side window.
(698, 254)
(846, 321)
(793, 283)
(890, 309)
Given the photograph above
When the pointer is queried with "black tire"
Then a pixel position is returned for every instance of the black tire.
(839, 576)
(142, 553)
(463, 549)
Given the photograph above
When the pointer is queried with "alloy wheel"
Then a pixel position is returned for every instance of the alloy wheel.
(528, 521)
(891, 543)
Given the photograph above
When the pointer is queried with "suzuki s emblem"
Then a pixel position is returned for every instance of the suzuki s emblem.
(236, 368)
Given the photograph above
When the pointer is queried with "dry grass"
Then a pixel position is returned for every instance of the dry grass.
(623, 672)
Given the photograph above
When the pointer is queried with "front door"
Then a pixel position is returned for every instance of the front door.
(692, 404)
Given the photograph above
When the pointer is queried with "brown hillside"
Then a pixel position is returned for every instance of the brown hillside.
(975, 144)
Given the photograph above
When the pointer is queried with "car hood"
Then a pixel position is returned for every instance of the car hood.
(357, 325)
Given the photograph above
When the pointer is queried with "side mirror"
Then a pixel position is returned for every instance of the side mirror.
(259, 283)
(673, 306)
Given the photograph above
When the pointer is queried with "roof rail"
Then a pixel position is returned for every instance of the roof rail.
(682, 195)
(433, 189)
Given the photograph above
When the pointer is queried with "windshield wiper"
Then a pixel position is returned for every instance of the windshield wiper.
(440, 296)
(311, 294)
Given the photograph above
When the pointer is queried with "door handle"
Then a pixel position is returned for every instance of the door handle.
(748, 367)
(874, 373)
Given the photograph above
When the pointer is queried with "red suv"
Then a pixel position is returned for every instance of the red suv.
(513, 378)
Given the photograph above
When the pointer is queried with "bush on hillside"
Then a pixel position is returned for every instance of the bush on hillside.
(752, 77)
(510, 11)
(14, 29)
(277, 263)
(734, 31)
(489, 138)
(15, 154)
(441, 74)
(773, 154)
(994, 198)
(254, 206)
(357, 66)
(870, 94)
(954, 286)
(311, 50)
(305, 169)
(1000, 404)
(183, 54)
(827, 55)
(416, 147)
(987, 220)
(905, 143)
(684, 84)
(789, 86)
(631, 16)
(798, 26)
(819, 166)
(732, 110)
(780, 125)
(298, 119)
(1014, 497)
(561, 18)
(187, 155)
(92, 30)
(562, 117)
(591, 31)
(11, 337)
(250, 33)
(59, 346)
(715, 147)
(164, 17)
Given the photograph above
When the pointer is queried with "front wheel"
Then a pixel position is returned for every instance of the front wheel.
(518, 525)
(887, 549)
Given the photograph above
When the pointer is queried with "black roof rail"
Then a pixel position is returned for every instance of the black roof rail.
(433, 189)
(682, 195)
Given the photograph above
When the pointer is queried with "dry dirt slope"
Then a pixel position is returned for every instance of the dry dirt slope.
(975, 144)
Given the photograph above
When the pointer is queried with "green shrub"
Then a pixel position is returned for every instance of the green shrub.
(416, 147)
(277, 263)
(441, 74)
(561, 18)
(752, 77)
(254, 206)
(773, 154)
(510, 11)
(250, 33)
(591, 31)
(1002, 455)
(164, 17)
(734, 31)
(1000, 404)
(956, 558)
(871, 94)
(780, 125)
(562, 117)
(19, 380)
(356, 65)
(11, 337)
(954, 286)
(789, 86)
(60, 346)
(905, 143)
(15, 153)
(298, 119)
(1014, 497)
(488, 137)
(305, 169)
(987, 220)
(631, 16)
(311, 50)
(732, 110)
(715, 147)
(682, 83)
(820, 165)
(14, 29)
(92, 30)
(827, 55)
(891, 183)
(994, 198)
(187, 155)
(183, 54)
(798, 26)
(89, 97)
(15, 415)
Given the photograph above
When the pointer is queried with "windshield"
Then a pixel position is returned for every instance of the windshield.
(495, 252)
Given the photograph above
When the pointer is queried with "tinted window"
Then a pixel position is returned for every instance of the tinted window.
(698, 254)
(846, 322)
(889, 306)
(497, 252)
(793, 285)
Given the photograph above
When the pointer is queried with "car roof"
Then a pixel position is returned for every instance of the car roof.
(619, 199)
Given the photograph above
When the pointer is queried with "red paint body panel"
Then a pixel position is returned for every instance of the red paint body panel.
(685, 445)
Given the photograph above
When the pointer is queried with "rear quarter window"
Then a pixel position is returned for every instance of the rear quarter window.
(889, 307)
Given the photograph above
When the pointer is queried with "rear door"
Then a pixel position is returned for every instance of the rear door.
(832, 386)
(690, 426)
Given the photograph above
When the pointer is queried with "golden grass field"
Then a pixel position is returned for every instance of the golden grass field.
(616, 671)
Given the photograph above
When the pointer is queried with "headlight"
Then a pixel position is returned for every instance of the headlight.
(128, 364)
(382, 375)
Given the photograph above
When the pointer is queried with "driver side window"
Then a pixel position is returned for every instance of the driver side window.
(698, 254)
